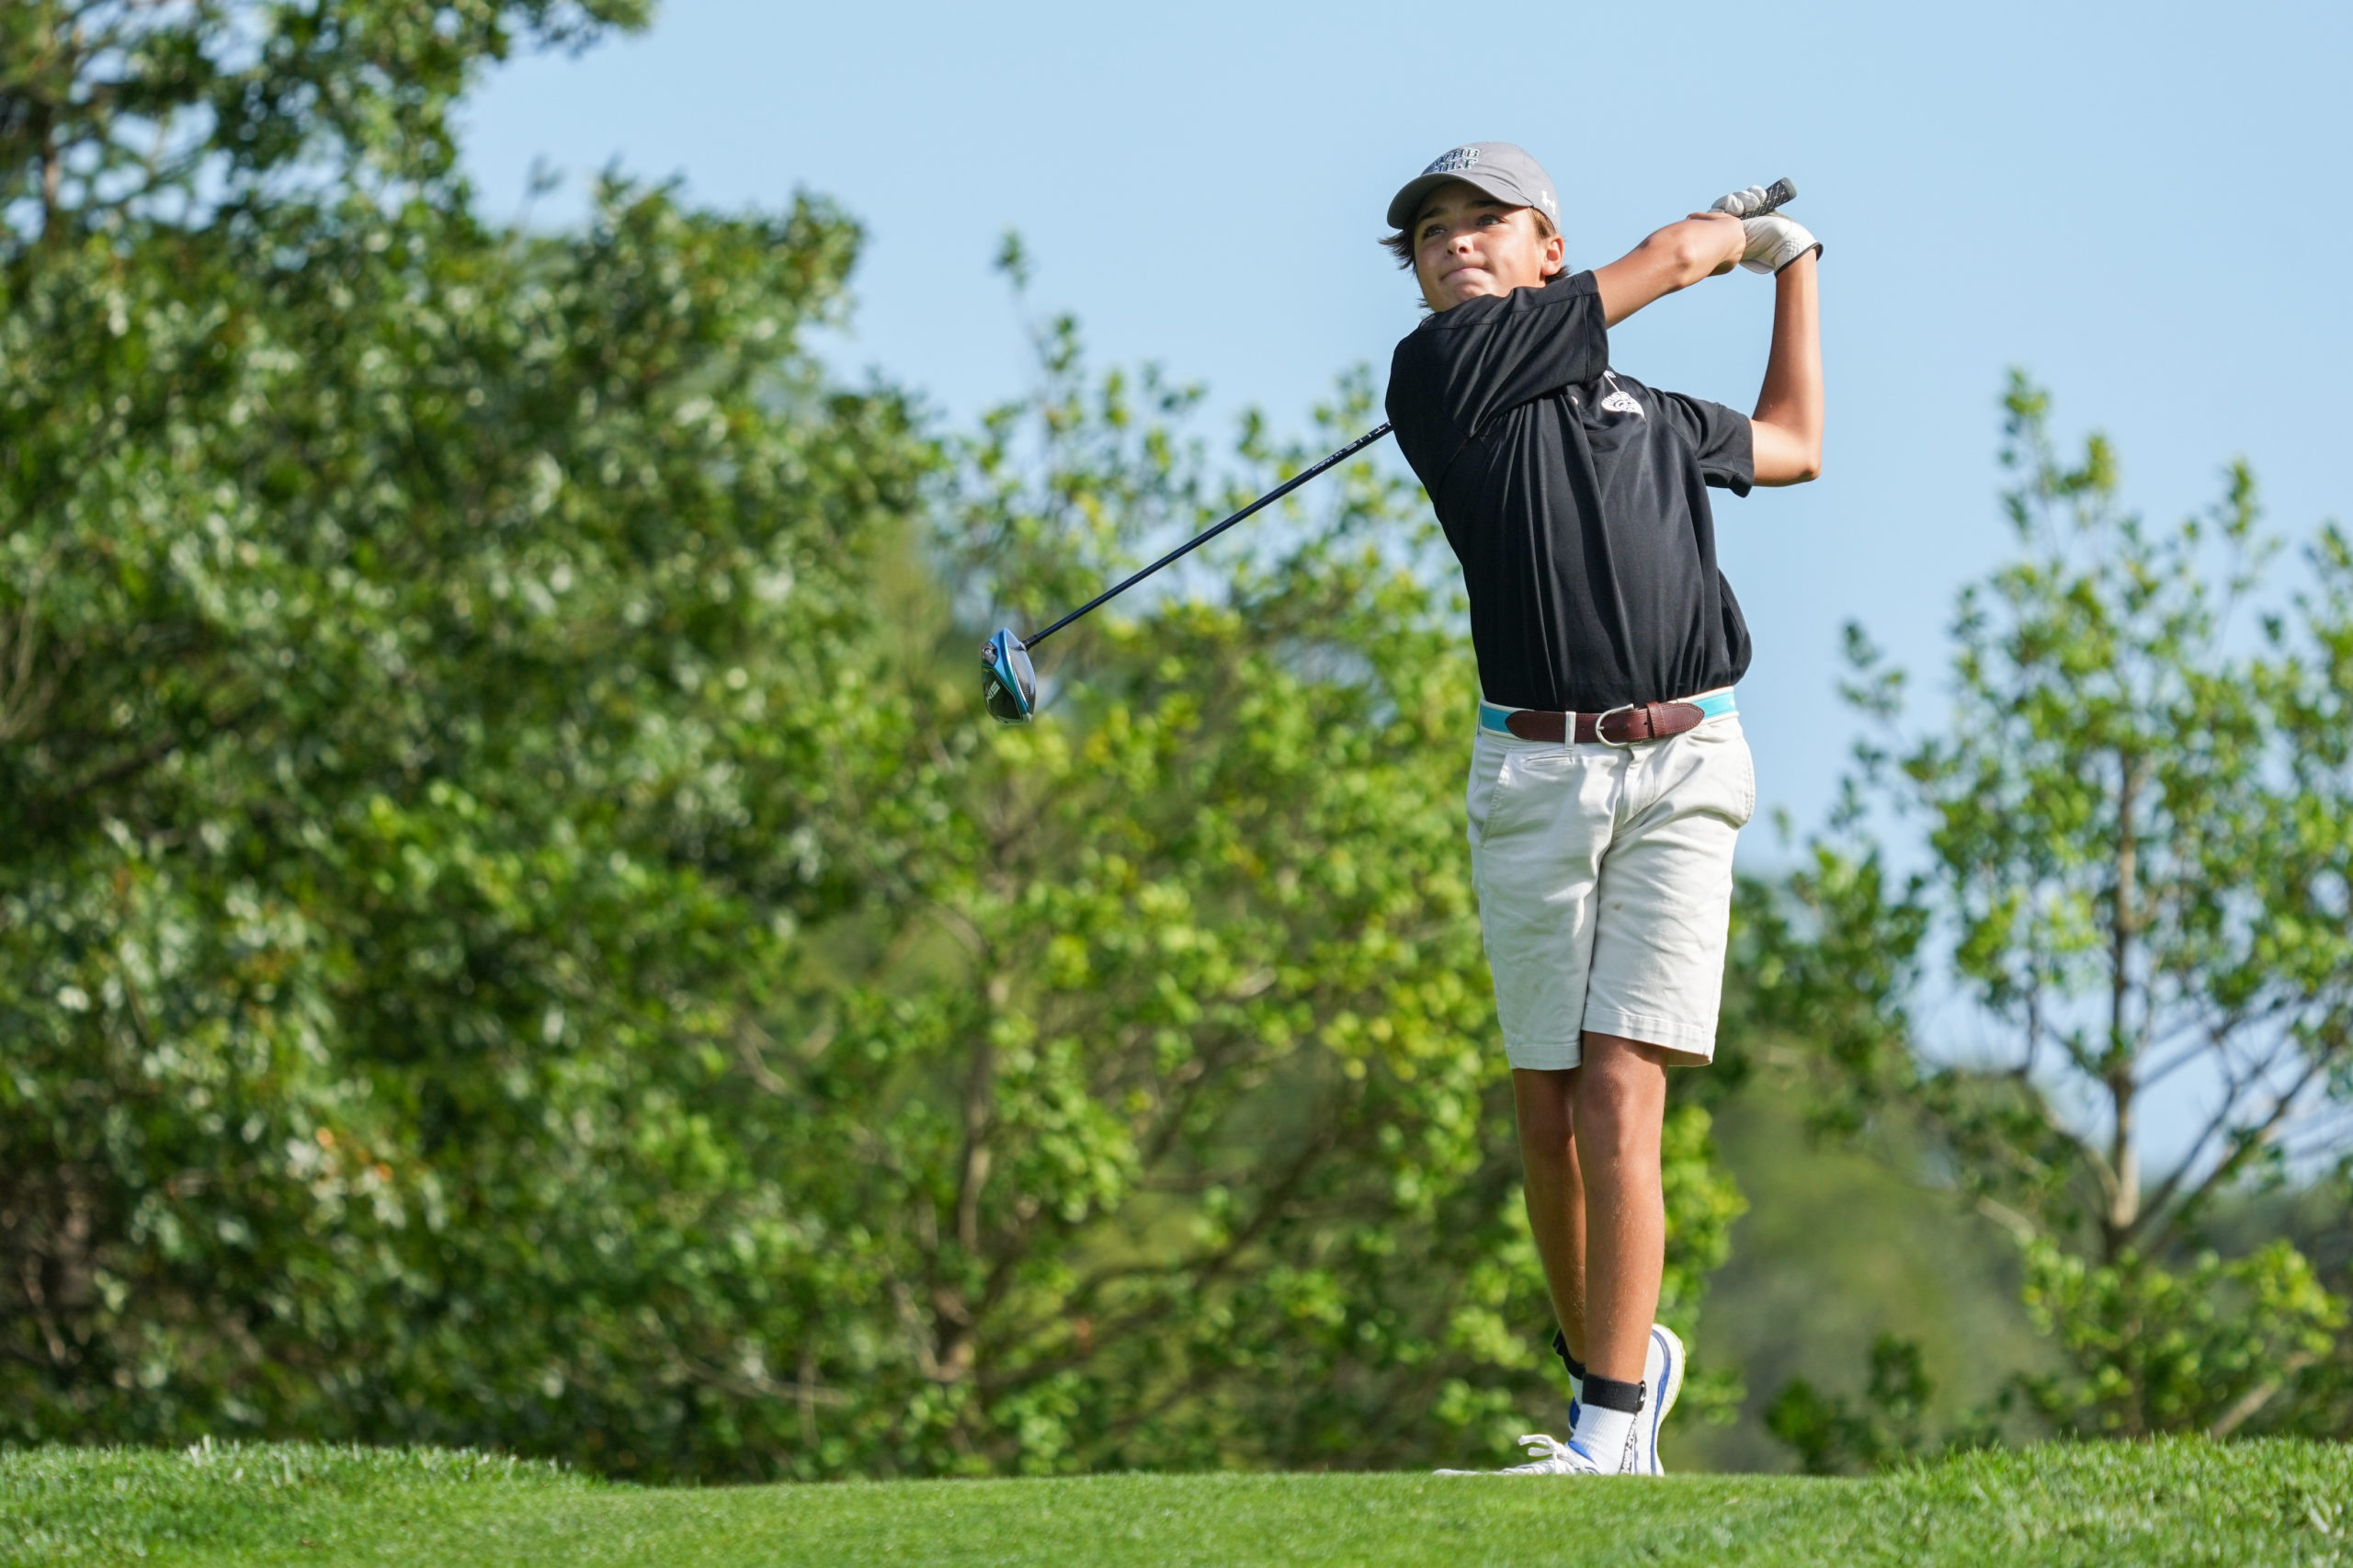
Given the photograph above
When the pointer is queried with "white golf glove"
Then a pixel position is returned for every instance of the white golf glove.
(1774, 241)
(1739, 203)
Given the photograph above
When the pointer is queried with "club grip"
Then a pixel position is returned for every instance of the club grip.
(1779, 192)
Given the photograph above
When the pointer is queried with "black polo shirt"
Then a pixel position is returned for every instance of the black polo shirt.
(1576, 500)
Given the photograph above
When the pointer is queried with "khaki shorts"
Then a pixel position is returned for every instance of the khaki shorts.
(1603, 876)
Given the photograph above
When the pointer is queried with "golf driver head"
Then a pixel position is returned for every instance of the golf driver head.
(1010, 685)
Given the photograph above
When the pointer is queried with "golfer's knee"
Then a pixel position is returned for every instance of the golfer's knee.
(1547, 1145)
(1612, 1135)
(1545, 1105)
(1548, 1154)
(1618, 1118)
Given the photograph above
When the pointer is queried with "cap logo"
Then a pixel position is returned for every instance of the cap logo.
(1460, 158)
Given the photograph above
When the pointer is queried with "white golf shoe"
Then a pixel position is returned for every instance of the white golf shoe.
(1548, 1456)
(1662, 1371)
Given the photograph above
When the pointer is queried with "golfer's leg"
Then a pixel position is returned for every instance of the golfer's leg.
(1554, 1195)
(1655, 982)
(1619, 1109)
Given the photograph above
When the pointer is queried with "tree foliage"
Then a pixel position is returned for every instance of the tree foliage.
(171, 109)
(1883, 1429)
(2139, 828)
(419, 637)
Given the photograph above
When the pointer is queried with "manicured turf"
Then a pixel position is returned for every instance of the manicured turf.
(2173, 1503)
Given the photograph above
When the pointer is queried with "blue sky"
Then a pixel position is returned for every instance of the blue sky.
(2144, 206)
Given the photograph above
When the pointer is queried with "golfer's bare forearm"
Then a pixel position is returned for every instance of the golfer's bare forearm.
(1676, 257)
(1786, 430)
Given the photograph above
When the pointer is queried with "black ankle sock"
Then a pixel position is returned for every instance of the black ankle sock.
(1561, 1349)
(1608, 1393)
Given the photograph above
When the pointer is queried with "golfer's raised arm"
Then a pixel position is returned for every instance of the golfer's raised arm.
(1786, 430)
(1676, 257)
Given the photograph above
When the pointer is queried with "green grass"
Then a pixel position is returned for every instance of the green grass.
(2169, 1503)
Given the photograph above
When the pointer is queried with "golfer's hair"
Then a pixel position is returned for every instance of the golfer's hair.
(1401, 244)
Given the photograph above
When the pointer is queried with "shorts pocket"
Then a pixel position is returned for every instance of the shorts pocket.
(1501, 783)
(1489, 761)
(1722, 776)
(1743, 763)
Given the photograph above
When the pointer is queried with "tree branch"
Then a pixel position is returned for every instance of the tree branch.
(2247, 1142)
(2245, 1406)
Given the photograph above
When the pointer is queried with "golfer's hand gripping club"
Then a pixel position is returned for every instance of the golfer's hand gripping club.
(1774, 241)
(1756, 201)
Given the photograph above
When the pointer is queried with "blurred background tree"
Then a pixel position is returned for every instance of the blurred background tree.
(2139, 833)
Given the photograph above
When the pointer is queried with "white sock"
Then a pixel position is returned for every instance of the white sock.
(1601, 1436)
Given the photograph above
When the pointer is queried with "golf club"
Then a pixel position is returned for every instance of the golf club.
(1010, 682)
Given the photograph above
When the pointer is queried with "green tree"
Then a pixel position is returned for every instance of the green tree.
(2139, 826)
(1882, 1429)
(419, 643)
(110, 108)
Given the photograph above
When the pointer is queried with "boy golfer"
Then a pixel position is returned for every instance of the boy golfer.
(1610, 778)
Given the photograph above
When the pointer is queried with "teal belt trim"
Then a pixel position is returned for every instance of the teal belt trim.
(1715, 705)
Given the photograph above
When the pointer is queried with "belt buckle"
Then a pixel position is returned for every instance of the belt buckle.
(1603, 736)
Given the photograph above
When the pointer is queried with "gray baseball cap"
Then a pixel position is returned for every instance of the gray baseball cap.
(1499, 168)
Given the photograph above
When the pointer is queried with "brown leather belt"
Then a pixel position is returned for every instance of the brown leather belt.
(1619, 727)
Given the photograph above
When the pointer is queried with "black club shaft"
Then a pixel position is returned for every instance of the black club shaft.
(1271, 497)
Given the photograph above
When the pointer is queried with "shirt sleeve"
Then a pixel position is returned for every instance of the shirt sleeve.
(1460, 370)
(1720, 439)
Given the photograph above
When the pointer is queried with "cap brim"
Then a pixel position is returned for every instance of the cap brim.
(1407, 203)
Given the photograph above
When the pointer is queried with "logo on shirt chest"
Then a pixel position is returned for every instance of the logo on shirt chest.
(1618, 401)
